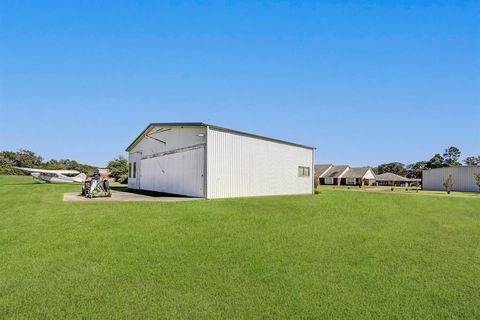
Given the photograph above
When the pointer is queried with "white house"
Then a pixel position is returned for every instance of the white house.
(330, 174)
(201, 160)
(463, 177)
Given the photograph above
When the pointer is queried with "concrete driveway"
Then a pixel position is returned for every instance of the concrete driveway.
(126, 196)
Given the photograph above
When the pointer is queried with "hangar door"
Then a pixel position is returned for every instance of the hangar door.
(134, 170)
(180, 172)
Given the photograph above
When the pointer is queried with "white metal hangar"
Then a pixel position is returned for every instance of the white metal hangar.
(202, 160)
(464, 178)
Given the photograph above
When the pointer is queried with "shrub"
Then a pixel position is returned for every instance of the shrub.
(449, 183)
(123, 179)
(391, 184)
(416, 184)
(477, 180)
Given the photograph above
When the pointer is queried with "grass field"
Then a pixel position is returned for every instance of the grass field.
(399, 190)
(333, 255)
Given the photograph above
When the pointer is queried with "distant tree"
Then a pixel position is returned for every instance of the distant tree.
(118, 169)
(67, 164)
(393, 167)
(477, 180)
(436, 161)
(87, 169)
(414, 170)
(72, 164)
(6, 163)
(27, 158)
(451, 156)
(22, 158)
(11, 156)
(472, 161)
(449, 183)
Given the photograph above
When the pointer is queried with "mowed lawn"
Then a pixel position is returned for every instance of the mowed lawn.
(333, 255)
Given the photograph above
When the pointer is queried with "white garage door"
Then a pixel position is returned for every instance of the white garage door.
(177, 173)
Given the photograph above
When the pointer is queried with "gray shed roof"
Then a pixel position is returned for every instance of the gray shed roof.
(202, 124)
(356, 172)
(335, 171)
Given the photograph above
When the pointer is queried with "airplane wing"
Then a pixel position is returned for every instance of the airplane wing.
(48, 171)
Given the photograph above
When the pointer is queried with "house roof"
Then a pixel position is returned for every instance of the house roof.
(202, 124)
(356, 172)
(388, 176)
(321, 168)
(335, 171)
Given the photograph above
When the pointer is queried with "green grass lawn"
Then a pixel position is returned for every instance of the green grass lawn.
(397, 190)
(333, 255)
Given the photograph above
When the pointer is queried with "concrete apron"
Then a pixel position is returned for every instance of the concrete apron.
(125, 196)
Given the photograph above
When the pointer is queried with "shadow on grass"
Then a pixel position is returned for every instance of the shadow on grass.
(147, 193)
(21, 184)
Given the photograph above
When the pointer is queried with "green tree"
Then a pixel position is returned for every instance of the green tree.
(27, 158)
(414, 170)
(118, 169)
(22, 158)
(472, 161)
(7, 161)
(393, 167)
(451, 156)
(436, 161)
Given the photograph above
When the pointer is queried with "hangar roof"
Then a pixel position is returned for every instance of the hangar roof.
(202, 124)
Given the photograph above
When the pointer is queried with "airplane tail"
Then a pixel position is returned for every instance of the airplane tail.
(80, 177)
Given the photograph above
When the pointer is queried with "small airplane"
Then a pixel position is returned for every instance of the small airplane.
(54, 176)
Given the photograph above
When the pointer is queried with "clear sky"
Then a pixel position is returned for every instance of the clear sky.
(365, 82)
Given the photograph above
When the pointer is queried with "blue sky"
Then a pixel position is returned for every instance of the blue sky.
(365, 82)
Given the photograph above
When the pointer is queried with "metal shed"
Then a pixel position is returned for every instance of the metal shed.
(202, 160)
(464, 178)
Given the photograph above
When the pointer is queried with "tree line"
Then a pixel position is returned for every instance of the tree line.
(118, 167)
(449, 158)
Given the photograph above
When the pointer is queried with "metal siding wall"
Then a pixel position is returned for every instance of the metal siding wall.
(242, 166)
(463, 176)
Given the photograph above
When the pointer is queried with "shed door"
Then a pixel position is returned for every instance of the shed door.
(176, 173)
